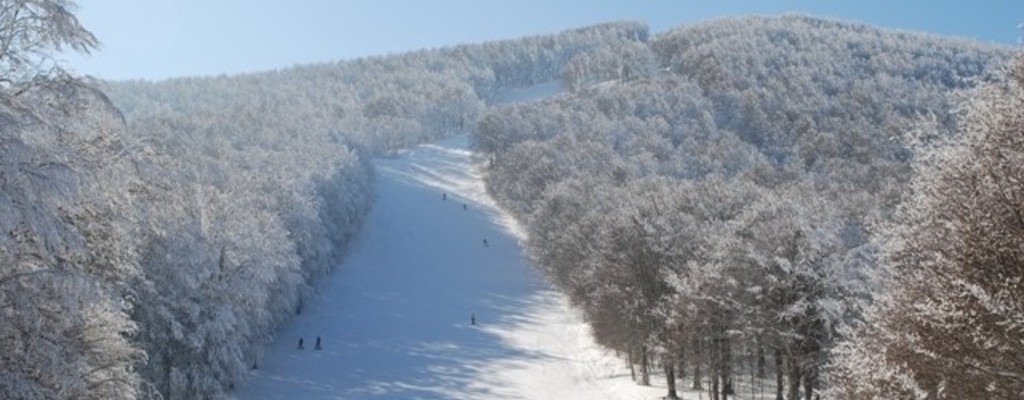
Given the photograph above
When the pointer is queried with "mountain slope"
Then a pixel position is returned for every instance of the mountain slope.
(394, 319)
(717, 215)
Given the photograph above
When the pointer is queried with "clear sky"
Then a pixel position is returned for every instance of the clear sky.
(156, 39)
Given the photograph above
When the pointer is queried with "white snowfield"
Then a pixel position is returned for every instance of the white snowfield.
(395, 318)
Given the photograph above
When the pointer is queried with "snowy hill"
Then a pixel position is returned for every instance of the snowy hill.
(394, 319)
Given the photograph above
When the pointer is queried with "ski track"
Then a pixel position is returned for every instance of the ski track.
(394, 317)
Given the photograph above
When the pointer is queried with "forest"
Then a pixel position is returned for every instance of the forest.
(823, 205)
(828, 206)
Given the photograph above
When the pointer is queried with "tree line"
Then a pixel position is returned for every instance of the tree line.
(947, 322)
(724, 216)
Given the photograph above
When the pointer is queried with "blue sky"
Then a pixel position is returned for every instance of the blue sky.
(156, 39)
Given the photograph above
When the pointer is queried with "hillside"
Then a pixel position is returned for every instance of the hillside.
(717, 200)
(717, 214)
(382, 103)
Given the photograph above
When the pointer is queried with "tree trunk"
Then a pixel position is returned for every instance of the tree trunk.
(760, 362)
(716, 369)
(810, 383)
(165, 388)
(714, 385)
(645, 368)
(632, 370)
(726, 370)
(794, 380)
(670, 378)
(681, 365)
(778, 375)
(697, 354)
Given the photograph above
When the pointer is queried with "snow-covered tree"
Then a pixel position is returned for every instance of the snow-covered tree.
(791, 121)
(66, 253)
(950, 323)
(32, 31)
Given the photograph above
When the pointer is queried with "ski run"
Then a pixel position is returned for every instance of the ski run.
(395, 318)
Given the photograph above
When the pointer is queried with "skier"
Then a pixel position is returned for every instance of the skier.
(444, 196)
(485, 242)
(300, 343)
(472, 319)
(463, 207)
(317, 347)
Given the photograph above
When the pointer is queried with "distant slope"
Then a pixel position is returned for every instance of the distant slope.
(813, 76)
(764, 93)
(384, 103)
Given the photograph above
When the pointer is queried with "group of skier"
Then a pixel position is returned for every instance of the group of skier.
(317, 346)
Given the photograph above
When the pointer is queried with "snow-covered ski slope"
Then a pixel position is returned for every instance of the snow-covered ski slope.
(394, 319)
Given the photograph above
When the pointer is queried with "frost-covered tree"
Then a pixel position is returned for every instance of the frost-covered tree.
(800, 282)
(790, 120)
(237, 222)
(32, 31)
(67, 260)
(66, 252)
(950, 323)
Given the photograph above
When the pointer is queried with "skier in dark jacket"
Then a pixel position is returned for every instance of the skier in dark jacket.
(317, 343)
(300, 343)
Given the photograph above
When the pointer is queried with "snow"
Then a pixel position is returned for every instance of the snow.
(395, 317)
(531, 93)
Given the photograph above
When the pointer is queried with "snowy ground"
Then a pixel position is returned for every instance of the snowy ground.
(395, 317)
(531, 93)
